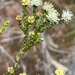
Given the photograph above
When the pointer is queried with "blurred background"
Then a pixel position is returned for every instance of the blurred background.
(57, 49)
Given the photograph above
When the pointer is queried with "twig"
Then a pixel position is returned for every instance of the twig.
(11, 39)
(7, 54)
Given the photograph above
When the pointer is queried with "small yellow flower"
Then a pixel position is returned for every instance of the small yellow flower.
(17, 57)
(42, 39)
(18, 17)
(39, 14)
(25, 2)
(31, 19)
(11, 70)
(8, 21)
(22, 52)
(60, 71)
(22, 74)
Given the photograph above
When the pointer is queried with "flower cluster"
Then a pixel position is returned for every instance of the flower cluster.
(60, 71)
(47, 6)
(18, 17)
(31, 19)
(36, 2)
(25, 2)
(52, 13)
(53, 16)
(66, 16)
(10, 70)
(22, 74)
(39, 14)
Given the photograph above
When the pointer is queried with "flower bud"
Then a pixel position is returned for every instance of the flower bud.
(18, 17)
(25, 2)
(31, 19)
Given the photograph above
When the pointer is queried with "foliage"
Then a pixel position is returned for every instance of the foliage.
(49, 18)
